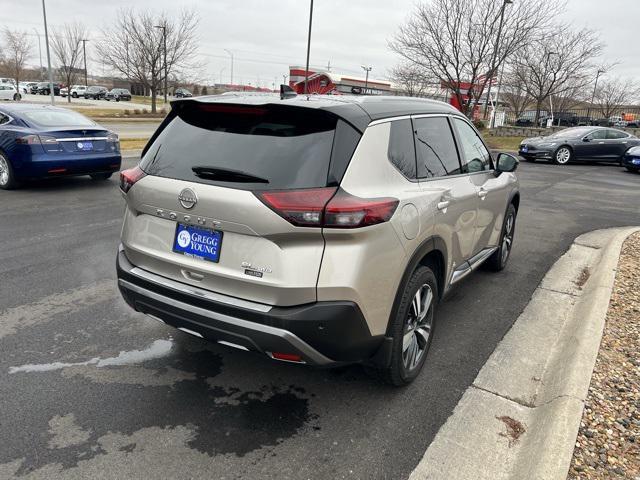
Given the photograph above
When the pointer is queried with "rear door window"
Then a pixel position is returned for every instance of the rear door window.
(245, 147)
(616, 135)
(435, 147)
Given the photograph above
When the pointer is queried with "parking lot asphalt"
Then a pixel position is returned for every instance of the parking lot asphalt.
(90, 389)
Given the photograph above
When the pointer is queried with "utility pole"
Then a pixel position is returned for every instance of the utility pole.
(495, 55)
(306, 71)
(593, 97)
(46, 41)
(366, 80)
(329, 66)
(39, 51)
(164, 43)
(84, 54)
(231, 55)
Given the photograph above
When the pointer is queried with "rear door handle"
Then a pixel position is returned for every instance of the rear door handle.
(443, 205)
(482, 193)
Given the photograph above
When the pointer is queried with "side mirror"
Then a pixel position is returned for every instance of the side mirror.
(506, 163)
(586, 139)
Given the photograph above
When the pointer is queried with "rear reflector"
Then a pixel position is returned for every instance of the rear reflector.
(57, 170)
(128, 178)
(328, 207)
(286, 357)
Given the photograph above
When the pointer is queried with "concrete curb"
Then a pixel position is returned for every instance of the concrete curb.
(520, 418)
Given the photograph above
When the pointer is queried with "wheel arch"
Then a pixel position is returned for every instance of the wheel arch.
(432, 253)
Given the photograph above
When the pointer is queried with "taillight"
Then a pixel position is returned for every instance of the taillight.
(347, 211)
(302, 208)
(112, 142)
(328, 207)
(128, 178)
(49, 143)
(28, 140)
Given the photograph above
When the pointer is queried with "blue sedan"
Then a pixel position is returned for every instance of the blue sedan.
(41, 141)
(631, 159)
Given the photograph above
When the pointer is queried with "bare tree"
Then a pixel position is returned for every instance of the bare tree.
(514, 95)
(456, 41)
(557, 64)
(613, 95)
(412, 79)
(134, 46)
(16, 52)
(66, 44)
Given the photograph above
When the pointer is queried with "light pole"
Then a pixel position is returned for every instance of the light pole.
(231, 55)
(39, 51)
(593, 97)
(366, 80)
(495, 55)
(306, 71)
(551, 94)
(284, 79)
(84, 55)
(46, 41)
(164, 43)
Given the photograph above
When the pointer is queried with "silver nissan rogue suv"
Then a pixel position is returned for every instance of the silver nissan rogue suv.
(319, 230)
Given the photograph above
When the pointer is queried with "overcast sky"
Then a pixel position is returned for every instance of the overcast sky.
(267, 36)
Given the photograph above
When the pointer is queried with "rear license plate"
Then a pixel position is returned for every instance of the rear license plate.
(85, 146)
(198, 242)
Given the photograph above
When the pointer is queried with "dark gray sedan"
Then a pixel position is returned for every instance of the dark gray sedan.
(579, 143)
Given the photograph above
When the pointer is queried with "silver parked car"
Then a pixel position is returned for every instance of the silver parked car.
(318, 230)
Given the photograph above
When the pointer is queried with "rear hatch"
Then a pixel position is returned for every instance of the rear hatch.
(209, 170)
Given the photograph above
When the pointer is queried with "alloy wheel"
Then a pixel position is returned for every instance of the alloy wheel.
(4, 171)
(418, 327)
(507, 239)
(563, 155)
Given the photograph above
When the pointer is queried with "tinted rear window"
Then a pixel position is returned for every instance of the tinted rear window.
(287, 147)
(57, 118)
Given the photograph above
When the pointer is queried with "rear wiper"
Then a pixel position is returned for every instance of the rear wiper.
(227, 175)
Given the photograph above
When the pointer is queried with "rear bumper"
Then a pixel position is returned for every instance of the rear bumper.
(321, 333)
(41, 165)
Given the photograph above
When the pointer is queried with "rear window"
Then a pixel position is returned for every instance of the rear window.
(245, 147)
(57, 118)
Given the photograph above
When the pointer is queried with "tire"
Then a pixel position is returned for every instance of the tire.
(563, 155)
(7, 176)
(74, 95)
(498, 261)
(633, 170)
(100, 177)
(411, 330)
(17, 97)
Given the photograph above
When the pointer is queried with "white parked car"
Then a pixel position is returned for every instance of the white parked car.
(9, 92)
(25, 87)
(76, 91)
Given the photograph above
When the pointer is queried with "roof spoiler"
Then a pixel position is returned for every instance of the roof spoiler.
(287, 92)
